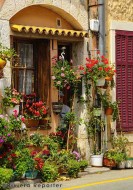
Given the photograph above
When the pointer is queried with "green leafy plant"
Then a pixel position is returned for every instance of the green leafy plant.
(83, 164)
(49, 173)
(73, 168)
(6, 53)
(5, 177)
(36, 139)
(12, 97)
(5, 130)
(107, 103)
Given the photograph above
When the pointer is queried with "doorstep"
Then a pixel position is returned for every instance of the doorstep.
(94, 170)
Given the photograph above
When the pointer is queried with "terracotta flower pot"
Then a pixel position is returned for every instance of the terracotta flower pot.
(108, 111)
(108, 78)
(109, 163)
(2, 63)
(31, 122)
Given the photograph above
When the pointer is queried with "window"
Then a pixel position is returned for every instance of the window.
(124, 78)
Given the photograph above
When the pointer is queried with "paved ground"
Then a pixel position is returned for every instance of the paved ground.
(92, 175)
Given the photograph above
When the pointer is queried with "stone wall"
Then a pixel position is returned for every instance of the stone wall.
(119, 16)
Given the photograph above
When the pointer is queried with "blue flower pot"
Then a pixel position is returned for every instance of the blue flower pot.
(31, 174)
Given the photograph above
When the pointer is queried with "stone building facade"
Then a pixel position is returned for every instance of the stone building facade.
(57, 23)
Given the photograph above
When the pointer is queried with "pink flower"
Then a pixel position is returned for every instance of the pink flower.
(62, 74)
(53, 77)
(59, 82)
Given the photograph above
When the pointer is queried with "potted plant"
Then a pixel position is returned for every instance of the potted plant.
(73, 168)
(6, 54)
(111, 108)
(35, 142)
(6, 175)
(49, 172)
(5, 130)
(97, 69)
(118, 154)
(33, 112)
(11, 100)
(63, 75)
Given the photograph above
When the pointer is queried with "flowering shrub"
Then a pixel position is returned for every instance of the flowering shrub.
(5, 131)
(58, 137)
(12, 97)
(97, 68)
(15, 121)
(64, 76)
(34, 110)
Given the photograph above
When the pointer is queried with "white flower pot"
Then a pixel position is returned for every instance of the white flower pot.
(97, 160)
(10, 110)
(121, 165)
(129, 163)
(100, 82)
(3, 84)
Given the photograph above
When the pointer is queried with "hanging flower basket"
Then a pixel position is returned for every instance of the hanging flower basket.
(100, 82)
(108, 111)
(57, 107)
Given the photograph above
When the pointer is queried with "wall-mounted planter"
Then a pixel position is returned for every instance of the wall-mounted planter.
(57, 107)
(100, 82)
(108, 111)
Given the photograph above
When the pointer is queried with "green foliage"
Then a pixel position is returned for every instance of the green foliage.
(36, 139)
(5, 177)
(12, 97)
(49, 173)
(5, 130)
(7, 53)
(23, 162)
(107, 103)
(83, 164)
(120, 142)
(116, 155)
(73, 168)
(64, 75)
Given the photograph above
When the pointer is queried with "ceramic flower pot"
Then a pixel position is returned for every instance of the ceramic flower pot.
(97, 160)
(31, 174)
(100, 82)
(10, 110)
(2, 63)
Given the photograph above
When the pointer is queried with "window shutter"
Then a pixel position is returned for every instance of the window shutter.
(124, 78)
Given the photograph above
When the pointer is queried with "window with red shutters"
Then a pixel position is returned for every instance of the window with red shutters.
(124, 78)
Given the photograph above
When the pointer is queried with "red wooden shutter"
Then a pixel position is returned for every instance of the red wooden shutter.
(124, 78)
